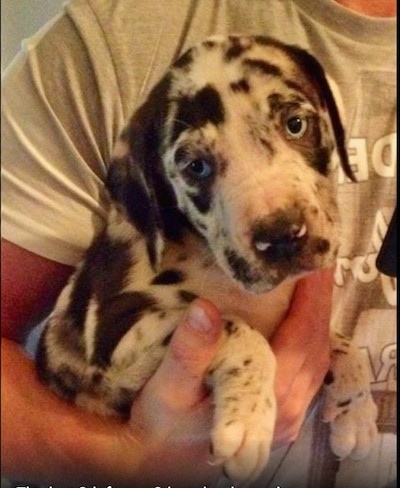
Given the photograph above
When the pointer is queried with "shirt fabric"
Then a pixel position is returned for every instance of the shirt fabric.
(69, 92)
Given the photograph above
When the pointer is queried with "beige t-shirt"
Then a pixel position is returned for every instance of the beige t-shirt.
(68, 94)
(66, 98)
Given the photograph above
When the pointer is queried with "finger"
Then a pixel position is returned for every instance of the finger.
(179, 381)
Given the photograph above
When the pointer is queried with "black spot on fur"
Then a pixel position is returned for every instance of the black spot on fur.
(339, 351)
(239, 266)
(186, 296)
(123, 402)
(267, 145)
(275, 102)
(265, 40)
(167, 340)
(240, 86)
(196, 111)
(199, 224)
(202, 200)
(233, 372)
(321, 160)
(345, 403)
(107, 265)
(329, 378)
(297, 87)
(185, 60)
(209, 44)
(80, 297)
(97, 378)
(263, 67)
(235, 50)
(231, 399)
(321, 246)
(169, 277)
(230, 327)
(115, 317)
(219, 365)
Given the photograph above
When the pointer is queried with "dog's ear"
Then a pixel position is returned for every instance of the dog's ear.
(136, 171)
(318, 79)
(331, 95)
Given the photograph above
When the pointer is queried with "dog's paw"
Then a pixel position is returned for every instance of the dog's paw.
(241, 441)
(349, 407)
(242, 378)
(353, 433)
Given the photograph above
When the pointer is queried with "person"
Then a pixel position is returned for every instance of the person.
(66, 98)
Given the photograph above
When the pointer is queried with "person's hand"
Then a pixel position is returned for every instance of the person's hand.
(302, 348)
(173, 414)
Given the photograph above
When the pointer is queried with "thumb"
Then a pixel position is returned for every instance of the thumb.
(179, 381)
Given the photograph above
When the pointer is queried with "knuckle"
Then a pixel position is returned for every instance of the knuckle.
(190, 359)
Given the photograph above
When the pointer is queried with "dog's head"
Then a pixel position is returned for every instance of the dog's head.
(237, 142)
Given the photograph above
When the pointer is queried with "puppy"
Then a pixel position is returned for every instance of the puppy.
(219, 187)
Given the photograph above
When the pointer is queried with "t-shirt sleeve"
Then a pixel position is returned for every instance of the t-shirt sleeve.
(59, 124)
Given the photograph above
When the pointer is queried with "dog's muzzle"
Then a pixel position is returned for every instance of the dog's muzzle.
(282, 237)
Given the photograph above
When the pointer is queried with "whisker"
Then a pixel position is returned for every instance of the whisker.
(182, 122)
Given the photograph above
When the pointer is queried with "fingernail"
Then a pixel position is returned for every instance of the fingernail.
(198, 319)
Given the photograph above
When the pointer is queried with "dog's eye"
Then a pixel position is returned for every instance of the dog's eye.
(296, 126)
(199, 169)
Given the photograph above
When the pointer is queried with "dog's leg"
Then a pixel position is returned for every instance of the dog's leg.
(133, 361)
(348, 403)
(242, 379)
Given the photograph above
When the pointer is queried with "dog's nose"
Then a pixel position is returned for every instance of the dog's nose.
(280, 236)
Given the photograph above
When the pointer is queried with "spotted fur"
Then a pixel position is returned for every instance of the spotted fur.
(219, 187)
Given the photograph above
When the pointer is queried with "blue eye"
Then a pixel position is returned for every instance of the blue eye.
(199, 169)
(296, 126)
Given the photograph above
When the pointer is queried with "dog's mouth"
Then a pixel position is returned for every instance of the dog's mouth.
(252, 278)
(260, 275)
